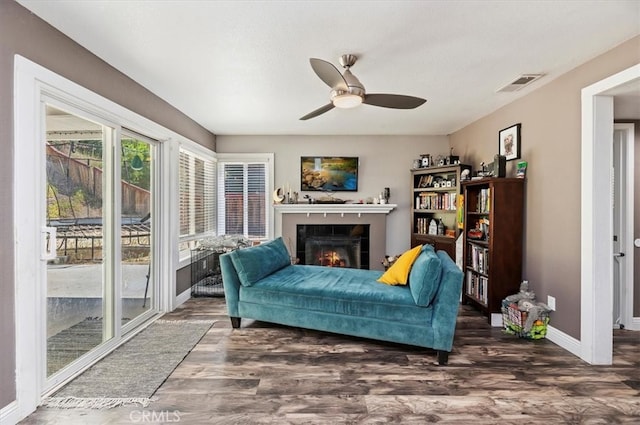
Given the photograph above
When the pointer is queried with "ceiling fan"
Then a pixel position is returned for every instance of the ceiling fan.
(348, 92)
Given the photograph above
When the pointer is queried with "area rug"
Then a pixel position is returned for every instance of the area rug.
(134, 371)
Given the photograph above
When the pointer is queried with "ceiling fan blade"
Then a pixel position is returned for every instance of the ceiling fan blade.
(329, 74)
(396, 101)
(319, 111)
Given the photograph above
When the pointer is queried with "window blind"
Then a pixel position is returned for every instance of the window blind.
(197, 196)
(242, 199)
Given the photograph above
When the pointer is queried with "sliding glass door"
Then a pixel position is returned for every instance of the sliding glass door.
(97, 237)
(75, 246)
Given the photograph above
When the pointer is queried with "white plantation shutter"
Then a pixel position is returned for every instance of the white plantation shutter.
(197, 197)
(243, 198)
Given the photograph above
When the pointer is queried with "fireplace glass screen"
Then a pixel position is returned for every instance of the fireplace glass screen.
(337, 245)
(333, 251)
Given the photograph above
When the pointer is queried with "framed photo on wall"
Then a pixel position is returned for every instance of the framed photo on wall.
(509, 142)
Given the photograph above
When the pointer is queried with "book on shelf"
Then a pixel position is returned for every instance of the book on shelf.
(478, 258)
(477, 286)
(437, 201)
(484, 201)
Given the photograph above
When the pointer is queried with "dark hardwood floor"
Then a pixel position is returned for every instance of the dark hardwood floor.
(269, 374)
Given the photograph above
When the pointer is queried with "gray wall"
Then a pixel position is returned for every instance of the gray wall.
(183, 279)
(551, 143)
(23, 33)
(385, 161)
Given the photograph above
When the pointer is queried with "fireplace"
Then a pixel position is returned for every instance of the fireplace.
(370, 220)
(333, 245)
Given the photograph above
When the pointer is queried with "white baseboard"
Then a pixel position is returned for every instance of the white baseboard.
(9, 414)
(496, 320)
(565, 341)
(183, 297)
(635, 324)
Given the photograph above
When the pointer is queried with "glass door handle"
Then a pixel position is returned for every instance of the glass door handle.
(619, 254)
(48, 243)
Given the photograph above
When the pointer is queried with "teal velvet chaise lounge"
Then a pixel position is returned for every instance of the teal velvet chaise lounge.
(260, 283)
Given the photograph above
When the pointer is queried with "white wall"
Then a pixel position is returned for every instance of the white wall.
(385, 161)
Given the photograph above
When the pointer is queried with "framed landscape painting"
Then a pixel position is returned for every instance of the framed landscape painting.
(329, 173)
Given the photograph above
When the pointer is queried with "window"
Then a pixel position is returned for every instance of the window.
(244, 185)
(197, 199)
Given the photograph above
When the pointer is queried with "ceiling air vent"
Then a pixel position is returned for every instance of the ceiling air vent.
(520, 82)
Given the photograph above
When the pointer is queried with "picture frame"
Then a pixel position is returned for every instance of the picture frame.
(509, 142)
(329, 173)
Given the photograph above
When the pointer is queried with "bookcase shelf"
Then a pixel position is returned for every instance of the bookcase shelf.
(494, 209)
(435, 193)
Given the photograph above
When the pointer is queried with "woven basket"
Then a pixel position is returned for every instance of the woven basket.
(514, 320)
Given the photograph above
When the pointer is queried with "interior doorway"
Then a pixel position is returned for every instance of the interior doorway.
(596, 332)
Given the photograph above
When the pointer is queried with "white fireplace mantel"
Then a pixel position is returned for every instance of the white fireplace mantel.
(288, 216)
(334, 208)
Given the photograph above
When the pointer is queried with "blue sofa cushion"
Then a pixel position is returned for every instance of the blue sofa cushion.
(424, 277)
(256, 262)
(339, 291)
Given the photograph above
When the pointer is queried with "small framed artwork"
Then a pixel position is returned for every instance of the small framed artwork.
(509, 142)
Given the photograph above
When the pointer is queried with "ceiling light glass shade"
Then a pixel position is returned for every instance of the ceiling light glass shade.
(346, 100)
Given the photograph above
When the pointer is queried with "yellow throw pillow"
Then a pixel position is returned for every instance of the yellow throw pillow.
(398, 273)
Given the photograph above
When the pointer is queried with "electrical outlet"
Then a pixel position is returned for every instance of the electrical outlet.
(551, 302)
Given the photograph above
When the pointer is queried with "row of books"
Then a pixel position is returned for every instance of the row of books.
(477, 286)
(484, 201)
(436, 201)
(478, 258)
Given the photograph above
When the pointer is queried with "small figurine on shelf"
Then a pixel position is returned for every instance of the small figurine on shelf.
(440, 227)
(389, 260)
(433, 227)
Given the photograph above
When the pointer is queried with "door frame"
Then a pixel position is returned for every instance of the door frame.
(596, 333)
(626, 214)
(31, 83)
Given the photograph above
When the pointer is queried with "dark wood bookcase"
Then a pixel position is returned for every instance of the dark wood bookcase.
(493, 228)
(435, 192)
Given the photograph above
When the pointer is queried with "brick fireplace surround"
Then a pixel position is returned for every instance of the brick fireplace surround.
(288, 216)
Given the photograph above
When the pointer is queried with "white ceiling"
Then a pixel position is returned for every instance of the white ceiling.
(242, 67)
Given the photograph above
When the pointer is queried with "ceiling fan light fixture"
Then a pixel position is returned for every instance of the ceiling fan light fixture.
(346, 100)
(348, 92)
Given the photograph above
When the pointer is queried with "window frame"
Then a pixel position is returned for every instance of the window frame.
(184, 255)
(252, 158)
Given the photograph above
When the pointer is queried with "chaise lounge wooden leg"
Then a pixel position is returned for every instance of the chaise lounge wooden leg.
(443, 357)
(235, 322)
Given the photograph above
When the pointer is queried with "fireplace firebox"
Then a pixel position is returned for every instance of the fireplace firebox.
(333, 245)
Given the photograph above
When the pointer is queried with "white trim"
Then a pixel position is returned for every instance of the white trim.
(28, 309)
(183, 297)
(168, 227)
(596, 333)
(9, 414)
(334, 208)
(198, 150)
(563, 340)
